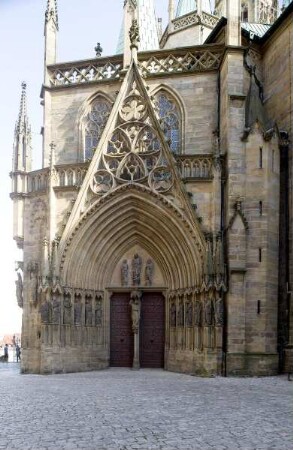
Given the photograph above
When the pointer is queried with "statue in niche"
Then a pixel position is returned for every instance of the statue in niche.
(188, 314)
(180, 318)
(219, 312)
(67, 310)
(45, 308)
(77, 311)
(32, 270)
(173, 315)
(19, 290)
(208, 311)
(98, 312)
(149, 272)
(136, 270)
(56, 309)
(197, 313)
(124, 273)
(88, 312)
(135, 304)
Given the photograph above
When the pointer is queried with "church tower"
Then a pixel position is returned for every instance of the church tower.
(21, 165)
(254, 11)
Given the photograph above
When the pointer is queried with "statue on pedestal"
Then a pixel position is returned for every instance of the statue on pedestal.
(135, 304)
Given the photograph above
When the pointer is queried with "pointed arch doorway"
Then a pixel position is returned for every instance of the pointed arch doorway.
(151, 342)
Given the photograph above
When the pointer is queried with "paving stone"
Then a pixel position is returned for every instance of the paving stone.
(118, 409)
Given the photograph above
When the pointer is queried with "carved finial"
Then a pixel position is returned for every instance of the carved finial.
(52, 12)
(98, 50)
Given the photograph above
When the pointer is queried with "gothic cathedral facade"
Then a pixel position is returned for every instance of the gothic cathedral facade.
(158, 231)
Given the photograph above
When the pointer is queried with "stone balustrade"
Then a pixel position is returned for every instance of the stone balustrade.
(196, 167)
(190, 59)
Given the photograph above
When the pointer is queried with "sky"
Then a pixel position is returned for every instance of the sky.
(82, 24)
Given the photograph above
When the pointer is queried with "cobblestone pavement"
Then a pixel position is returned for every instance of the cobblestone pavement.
(147, 409)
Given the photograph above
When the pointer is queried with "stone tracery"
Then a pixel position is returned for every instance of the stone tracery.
(95, 122)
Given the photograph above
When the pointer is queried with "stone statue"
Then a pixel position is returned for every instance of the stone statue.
(124, 273)
(208, 313)
(135, 304)
(197, 314)
(19, 290)
(173, 315)
(88, 312)
(77, 311)
(188, 314)
(136, 270)
(180, 320)
(149, 272)
(56, 309)
(32, 269)
(45, 311)
(67, 310)
(98, 313)
(219, 312)
(134, 34)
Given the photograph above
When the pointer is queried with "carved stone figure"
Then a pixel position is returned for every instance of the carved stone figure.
(32, 269)
(67, 310)
(136, 270)
(77, 311)
(219, 312)
(98, 312)
(124, 273)
(45, 311)
(135, 304)
(134, 34)
(188, 314)
(173, 315)
(208, 313)
(88, 312)
(56, 309)
(149, 272)
(19, 290)
(197, 313)
(180, 318)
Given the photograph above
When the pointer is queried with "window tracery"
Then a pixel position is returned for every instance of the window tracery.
(170, 119)
(94, 124)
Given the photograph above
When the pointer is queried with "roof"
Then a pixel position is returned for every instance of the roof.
(188, 6)
(148, 31)
(185, 7)
(258, 29)
(260, 34)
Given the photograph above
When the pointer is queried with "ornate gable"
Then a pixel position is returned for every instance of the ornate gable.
(132, 150)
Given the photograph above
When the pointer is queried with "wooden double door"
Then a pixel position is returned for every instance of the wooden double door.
(152, 331)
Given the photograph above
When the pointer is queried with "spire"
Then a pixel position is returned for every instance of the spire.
(22, 137)
(51, 29)
(52, 12)
(144, 12)
(22, 116)
(171, 10)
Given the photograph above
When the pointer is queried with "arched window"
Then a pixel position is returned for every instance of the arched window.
(171, 120)
(95, 122)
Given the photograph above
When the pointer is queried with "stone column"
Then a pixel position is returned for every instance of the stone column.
(135, 303)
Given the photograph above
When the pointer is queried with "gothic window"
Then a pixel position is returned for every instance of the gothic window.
(171, 120)
(95, 122)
